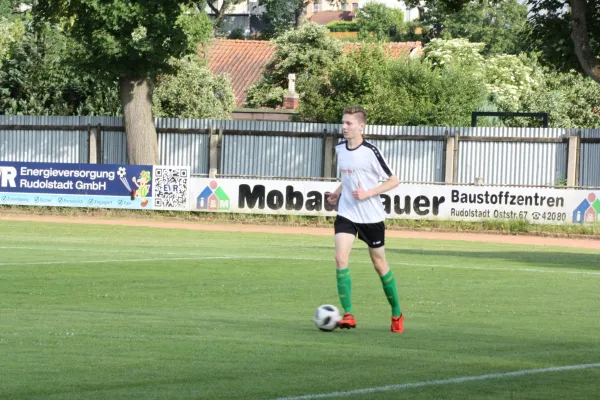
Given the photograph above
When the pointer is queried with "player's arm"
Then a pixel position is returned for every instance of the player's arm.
(333, 197)
(389, 184)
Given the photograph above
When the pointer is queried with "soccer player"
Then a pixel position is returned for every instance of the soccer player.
(360, 212)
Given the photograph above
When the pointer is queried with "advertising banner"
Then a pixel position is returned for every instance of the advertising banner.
(94, 185)
(443, 202)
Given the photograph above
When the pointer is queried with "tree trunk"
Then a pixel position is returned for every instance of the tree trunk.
(136, 99)
(299, 13)
(581, 40)
(218, 21)
(219, 12)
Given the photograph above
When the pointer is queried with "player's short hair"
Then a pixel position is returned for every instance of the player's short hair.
(357, 110)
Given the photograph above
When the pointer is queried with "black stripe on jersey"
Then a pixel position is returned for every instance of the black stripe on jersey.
(382, 162)
(345, 143)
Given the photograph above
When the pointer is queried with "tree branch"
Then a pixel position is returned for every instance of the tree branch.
(581, 40)
(220, 13)
(212, 7)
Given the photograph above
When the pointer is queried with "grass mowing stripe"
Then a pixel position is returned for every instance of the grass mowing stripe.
(242, 257)
(463, 379)
(130, 260)
(547, 271)
(89, 250)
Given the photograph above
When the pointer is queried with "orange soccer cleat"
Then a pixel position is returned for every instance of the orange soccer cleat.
(398, 324)
(347, 322)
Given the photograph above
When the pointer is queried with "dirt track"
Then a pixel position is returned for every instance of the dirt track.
(489, 238)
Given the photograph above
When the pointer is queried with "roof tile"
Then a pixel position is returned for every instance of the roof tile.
(245, 60)
(325, 17)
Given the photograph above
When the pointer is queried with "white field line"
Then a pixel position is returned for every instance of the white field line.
(92, 250)
(204, 257)
(536, 270)
(463, 379)
(199, 258)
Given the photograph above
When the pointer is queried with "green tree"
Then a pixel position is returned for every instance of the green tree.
(436, 96)
(501, 25)
(395, 91)
(306, 51)
(37, 79)
(361, 77)
(131, 42)
(550, 29)
(219, 11)
(6, 8)
(193, 92)
(279, 17)
(378, 19)
(10, 32)
(282, 15)
(577, 20)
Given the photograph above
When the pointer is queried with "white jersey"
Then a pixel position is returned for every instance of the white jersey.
(364, 164)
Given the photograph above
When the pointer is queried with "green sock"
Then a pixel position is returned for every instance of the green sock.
(389, 287)
(344, 286)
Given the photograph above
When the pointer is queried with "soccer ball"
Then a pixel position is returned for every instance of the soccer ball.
(327, 317)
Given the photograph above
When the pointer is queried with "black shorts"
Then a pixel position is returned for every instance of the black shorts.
(372, 234)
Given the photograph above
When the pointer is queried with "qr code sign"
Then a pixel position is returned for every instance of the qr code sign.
(171, 188)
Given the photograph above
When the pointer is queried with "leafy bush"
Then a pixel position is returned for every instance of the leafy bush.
(307, 51)
(343, 26)
(193, 92)
(440, 52)
(520, 84)
(237, 33)
(571, 100)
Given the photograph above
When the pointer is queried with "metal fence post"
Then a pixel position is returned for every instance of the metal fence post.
(328, 149)
(449, 158)
(94, 144)
(213, 152)
(573, 158)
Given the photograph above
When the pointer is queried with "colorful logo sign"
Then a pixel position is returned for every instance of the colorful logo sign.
(76, 185)
(588, 212)
(142, 184)
(213, 198)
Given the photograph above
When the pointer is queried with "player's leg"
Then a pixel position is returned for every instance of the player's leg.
(389, 286)
(374, 236)
(345, 234)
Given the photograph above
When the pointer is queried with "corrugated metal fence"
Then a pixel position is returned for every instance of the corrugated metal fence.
(513, 155)
(589, 158)
(501, 156)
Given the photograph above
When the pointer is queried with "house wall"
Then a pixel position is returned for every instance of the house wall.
(352, 5)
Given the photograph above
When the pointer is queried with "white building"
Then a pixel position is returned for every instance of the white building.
(410, 14)
(246, 15)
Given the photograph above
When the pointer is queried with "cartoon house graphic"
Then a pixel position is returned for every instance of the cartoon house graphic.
(223, 199)
(213, 202)
(212, 198)
(590, 216)
(588, 212)
(202, 200)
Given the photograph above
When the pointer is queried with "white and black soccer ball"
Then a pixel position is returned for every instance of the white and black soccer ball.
(327, 317)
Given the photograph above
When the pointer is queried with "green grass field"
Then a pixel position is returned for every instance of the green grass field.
(107, 312)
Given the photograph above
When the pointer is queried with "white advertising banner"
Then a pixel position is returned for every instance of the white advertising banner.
(443, 202)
